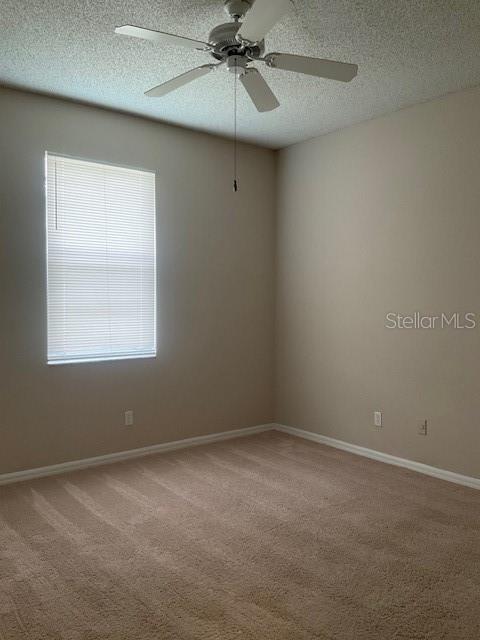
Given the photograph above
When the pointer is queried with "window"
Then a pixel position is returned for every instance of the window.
(100, 261)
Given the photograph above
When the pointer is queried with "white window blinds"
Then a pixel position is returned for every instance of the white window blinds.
(101, 261)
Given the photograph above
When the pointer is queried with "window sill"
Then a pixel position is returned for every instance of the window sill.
(135, 356)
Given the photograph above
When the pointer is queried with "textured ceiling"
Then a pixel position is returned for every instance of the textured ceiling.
(408, 51)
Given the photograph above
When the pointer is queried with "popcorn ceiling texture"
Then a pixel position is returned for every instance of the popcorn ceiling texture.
(407, 52)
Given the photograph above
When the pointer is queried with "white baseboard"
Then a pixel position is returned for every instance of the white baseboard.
(75, 465)
(442, 474)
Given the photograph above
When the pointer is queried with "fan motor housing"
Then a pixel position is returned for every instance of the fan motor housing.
(223, 38)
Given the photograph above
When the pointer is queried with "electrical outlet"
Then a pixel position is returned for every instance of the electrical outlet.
(377, 419)
(128, 418)
(423, 428)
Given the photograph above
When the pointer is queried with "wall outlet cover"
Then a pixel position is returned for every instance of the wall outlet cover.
(423, 428)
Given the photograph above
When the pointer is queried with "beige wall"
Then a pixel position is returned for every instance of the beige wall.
(380, 217)
(215, 290)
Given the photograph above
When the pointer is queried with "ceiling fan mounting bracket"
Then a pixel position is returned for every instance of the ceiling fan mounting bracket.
(236, 9)
(244, 42)
(270, 60)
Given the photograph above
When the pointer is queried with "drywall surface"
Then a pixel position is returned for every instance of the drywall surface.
(214, 367)
(379, 218)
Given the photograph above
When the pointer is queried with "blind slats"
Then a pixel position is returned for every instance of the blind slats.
(101, 261)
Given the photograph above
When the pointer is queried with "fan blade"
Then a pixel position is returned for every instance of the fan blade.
(259, 91)
(261, 18)
(342, 71)
(179, 81)
(161, 38)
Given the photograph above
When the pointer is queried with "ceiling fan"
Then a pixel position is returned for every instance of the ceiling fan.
(240, 44)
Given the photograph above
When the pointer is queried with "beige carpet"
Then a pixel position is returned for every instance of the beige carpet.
(267, 537)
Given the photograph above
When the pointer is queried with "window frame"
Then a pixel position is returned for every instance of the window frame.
(105, 357)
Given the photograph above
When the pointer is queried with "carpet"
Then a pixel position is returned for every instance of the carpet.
(268, 537)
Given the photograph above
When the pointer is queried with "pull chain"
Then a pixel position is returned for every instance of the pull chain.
(235, 180)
